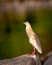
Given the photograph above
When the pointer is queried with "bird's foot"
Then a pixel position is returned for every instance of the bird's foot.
(31, 54)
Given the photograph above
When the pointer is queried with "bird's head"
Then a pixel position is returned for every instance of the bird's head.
(26, 23)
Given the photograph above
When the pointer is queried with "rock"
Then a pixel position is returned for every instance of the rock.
(22, 60)
(47, 59)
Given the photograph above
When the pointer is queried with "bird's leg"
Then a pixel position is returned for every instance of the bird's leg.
(33, 52)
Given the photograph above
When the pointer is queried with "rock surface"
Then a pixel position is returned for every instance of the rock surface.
(47, 59)
(28, 60)
(22, 60)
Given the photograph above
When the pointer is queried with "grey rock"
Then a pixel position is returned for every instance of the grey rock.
(47, 59)
(22, 60)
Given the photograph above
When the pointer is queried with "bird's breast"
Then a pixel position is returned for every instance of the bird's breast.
(31, 39)
(29, 33)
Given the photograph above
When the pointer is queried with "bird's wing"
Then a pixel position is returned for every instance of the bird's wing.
(36, 43)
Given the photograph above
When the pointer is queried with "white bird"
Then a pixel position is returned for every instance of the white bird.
(33, 39)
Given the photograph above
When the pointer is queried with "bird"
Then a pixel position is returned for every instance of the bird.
(33, 39)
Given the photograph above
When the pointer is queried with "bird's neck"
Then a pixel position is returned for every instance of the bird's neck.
(28, 27)
(29, 31)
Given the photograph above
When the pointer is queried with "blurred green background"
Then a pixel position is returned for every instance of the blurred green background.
(13, 38)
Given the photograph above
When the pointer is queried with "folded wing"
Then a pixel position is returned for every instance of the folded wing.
(36, 43)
